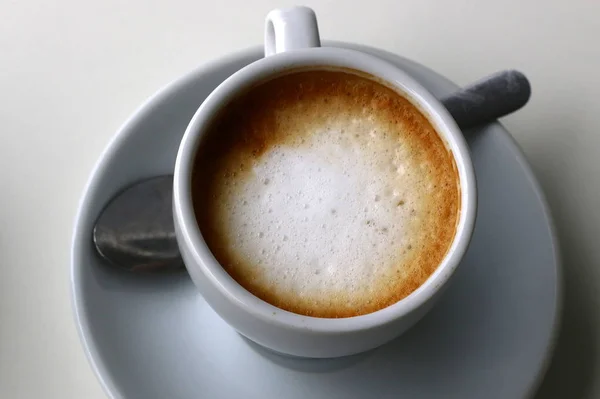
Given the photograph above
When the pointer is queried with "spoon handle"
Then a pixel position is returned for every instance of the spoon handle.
(488, 99)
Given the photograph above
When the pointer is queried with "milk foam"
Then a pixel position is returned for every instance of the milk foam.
(342, 219)
(325, 217)
(330, 217)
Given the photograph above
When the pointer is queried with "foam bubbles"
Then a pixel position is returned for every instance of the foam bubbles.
(338, 215)
(319, 243)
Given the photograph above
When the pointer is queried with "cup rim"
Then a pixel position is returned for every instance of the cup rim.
(320, 57)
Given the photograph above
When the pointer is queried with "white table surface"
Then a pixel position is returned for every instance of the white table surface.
(72, 71)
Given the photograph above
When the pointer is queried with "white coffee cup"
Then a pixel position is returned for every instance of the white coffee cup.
(292, 41)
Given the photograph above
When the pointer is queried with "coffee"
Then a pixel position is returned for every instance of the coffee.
(326, 193)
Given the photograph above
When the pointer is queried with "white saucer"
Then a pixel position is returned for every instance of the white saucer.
(490, 336)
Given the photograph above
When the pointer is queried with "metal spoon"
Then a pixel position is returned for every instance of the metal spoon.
(135, 230)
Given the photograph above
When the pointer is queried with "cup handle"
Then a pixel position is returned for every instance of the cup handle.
(289, 29)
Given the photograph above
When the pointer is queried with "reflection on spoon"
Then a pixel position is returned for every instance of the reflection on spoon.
(135, 230)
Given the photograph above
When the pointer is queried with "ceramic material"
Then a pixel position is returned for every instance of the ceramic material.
(490, 335)
(277, 329)
(288, 29)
